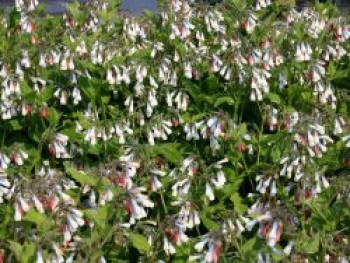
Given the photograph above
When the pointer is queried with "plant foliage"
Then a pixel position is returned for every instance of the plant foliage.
(199, 133)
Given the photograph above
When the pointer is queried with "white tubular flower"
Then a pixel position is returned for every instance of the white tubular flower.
(141, 73)
(126, 75)
(303, 52)
(216, 64)
(55, 57)
(81, 48)
(150, 137)
(188, 70)
(4, 71)
(5, 186)
(74, 220)
(137, 203)
(213, 253)
(153, 82)
(274, 234)
(67, 61)
(76, 96)
(25, 61)
(4, 161)
(339, 123)
(57, 147)
(38, 205)
(262, 4)
(168, 246)
(32, 4)
(176, 57)
(200, 245)
(283, 81)
(212, 249)
(219, 182)
(251, 23)
(106, 196)
(287, 249)
(19, 4)
(155, 184)
(188, 216)
(39, 84)
(18, 212)
(181, 188)
(209, 192)
(316, 27)
(18, 157)
(39, 256)
(345, 139)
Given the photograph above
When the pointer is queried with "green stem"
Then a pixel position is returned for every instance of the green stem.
(163, 202)
(259, 139)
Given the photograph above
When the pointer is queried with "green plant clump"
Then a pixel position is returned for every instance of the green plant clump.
(197, 134)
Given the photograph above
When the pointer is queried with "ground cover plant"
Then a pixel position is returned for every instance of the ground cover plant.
(199, 134)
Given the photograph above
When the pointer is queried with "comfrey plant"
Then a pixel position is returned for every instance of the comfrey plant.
(199, 134)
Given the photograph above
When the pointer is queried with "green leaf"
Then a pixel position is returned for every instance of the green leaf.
(74, 9)
(46, 94)
(223, 100)
(240, 5)
(16, 249)
(139, 242)
(286, 2)
(208, 223)
(331, 69)
(15, 17)
(234, 182)
(308, 244)
(274, 98)
(275, 154)
(239, 131)
(232, 187)
(98, 216)
(42, 222)
(188, 117)
(35, 217)
(81, 177)
(88, 90)
(238, 202)
(28, 253)
(250, 248)
(150, 15)
(172, 154)
(170, 151)
(250, 245)
(53, 117)
(15, 125)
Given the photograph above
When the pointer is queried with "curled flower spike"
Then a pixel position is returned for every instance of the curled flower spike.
(303, 52)
(212, 252)
(250, 24)
(57, 147)
(262, 4)
(67, 61)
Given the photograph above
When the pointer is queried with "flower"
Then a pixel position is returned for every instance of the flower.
(57, 147)
(136, 204)
(67, 61)
(5, 186)
(213, 247)
(303, 52)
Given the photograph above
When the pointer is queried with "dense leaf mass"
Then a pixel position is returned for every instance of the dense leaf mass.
(202, 133)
